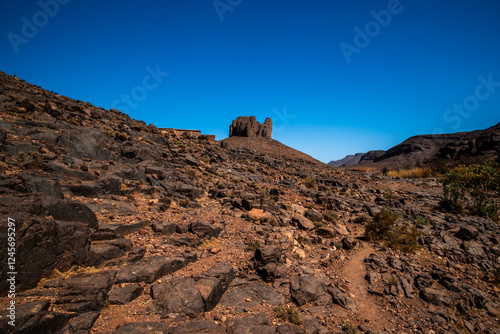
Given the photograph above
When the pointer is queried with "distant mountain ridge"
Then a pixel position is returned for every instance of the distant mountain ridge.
(421, 149)
(348, 160)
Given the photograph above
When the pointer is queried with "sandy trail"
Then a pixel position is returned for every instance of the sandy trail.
(368, 309)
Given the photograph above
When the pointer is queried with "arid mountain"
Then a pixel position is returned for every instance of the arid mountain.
(109, 225)
(418, 150)
(347, 161)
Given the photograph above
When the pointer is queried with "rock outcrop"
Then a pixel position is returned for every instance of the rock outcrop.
(245, 126)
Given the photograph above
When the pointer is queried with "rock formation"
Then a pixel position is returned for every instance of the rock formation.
(245, 126)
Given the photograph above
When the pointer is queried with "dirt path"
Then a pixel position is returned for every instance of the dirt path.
(368, 309)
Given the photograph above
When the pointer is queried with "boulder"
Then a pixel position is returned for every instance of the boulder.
(143, 327)
(197, 327)
(72, 211)
(33, 317)
(164, 228)
(44, 245)
(266, 259)
(211, 291)
(213, 284)
(205, 230)
(43, 186)
(150, 269)
(306, 289)
(81, 324)
(303, 223)
(102, 252)
(341, 298)
(245, 294)
(258, 324)
(178, 296)
(289, 329)
(436, 297)
(86, 292)
(124, 295)
(314, 215)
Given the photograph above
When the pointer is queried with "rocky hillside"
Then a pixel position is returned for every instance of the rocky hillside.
(477, 145)
(123, 228)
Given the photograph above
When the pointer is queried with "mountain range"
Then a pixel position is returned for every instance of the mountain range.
(476, 145)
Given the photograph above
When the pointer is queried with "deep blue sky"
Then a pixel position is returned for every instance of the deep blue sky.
(278, 59)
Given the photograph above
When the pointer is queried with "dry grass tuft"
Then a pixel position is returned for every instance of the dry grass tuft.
(415, 172)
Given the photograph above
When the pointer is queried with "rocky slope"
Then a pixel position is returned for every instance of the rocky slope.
(462, 146)
(121, 228)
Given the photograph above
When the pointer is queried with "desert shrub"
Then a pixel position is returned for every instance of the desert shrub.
(288, 314)
(310, 182)
(349, 328)
(122, 136)
(185, 203)
(34, 158)
(495, 275)
(270, 220)
(75, 270)
(408, 172)
(421, 221)
(388, 195)
(108, 132)
(210, 243)
(363, 219)
(253, 245)
(382, 223)
(474, 188)
(73, 121)
(191, 173)
(331, 216)
(383, 229)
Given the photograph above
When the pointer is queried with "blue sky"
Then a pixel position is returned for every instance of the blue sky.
(336, 76)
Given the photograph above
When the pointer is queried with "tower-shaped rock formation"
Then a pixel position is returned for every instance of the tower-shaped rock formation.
(245, 126)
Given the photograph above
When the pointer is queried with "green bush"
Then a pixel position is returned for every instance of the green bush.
(383, 229)
(288, 314)
(474, 189)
